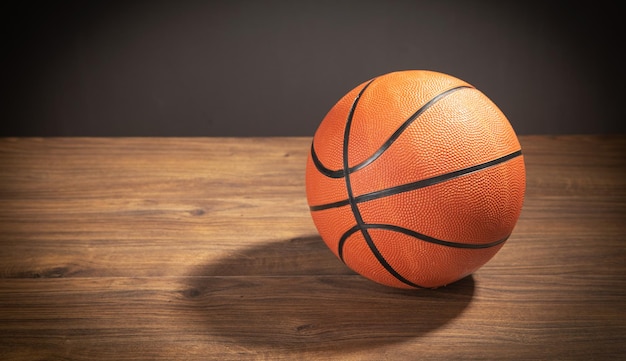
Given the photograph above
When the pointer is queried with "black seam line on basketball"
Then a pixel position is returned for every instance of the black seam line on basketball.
(343, 239)
(434, 180)
(403, 127)
(433, 240)
(338, 204)
(339, 173)
(322, 169)
(355, 209)
(416, 235)
(416, 185)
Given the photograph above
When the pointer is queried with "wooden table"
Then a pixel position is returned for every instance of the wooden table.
(203, 248)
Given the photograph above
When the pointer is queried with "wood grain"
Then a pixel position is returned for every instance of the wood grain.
(203, 248)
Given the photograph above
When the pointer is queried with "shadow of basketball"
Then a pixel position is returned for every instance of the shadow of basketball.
(312, 302)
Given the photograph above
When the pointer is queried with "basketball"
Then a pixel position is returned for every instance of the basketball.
(415, 179)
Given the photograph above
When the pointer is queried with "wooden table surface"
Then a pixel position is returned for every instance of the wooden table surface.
(203, 248)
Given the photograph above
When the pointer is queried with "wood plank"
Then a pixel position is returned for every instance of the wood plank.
(203, 248)
(151, 168)
(575, 165)
(329, 316)
(164, 201)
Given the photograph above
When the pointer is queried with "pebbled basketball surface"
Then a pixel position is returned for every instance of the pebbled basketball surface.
(415, 179)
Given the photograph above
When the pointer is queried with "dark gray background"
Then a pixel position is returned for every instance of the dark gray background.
(274, 68)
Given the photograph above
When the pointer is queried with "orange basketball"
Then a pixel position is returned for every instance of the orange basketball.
(415, 179)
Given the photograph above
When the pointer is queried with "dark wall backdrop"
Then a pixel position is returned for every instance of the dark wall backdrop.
(274, 68)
